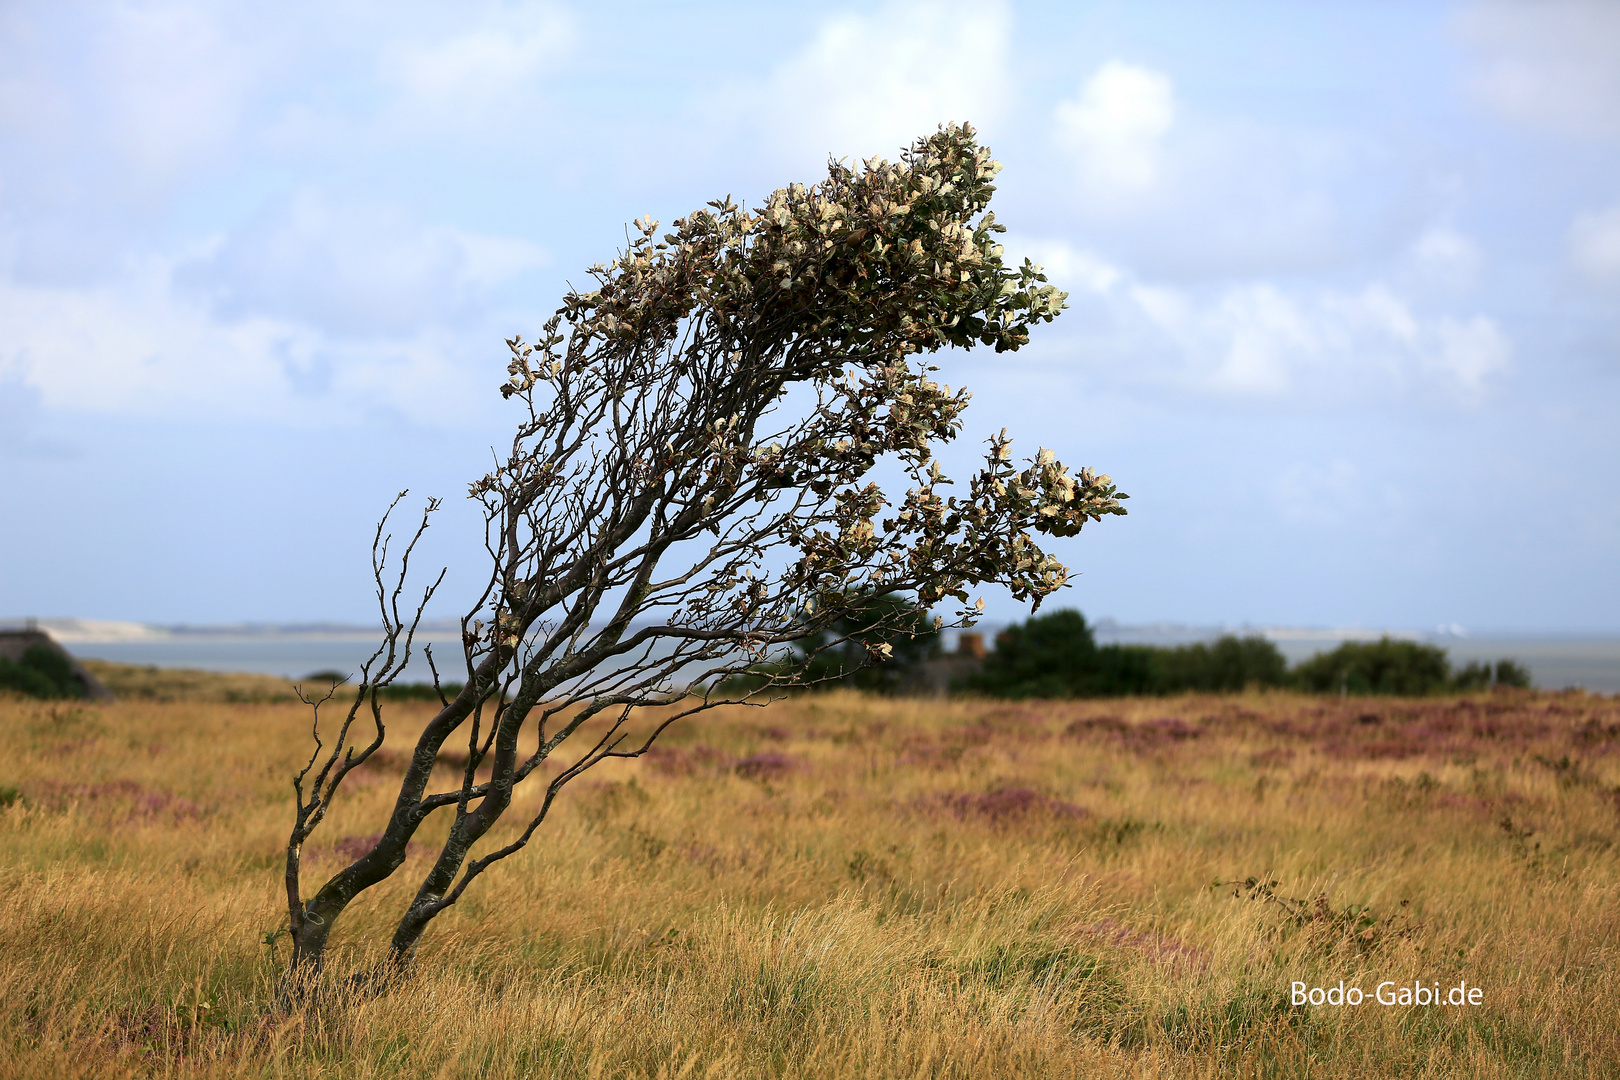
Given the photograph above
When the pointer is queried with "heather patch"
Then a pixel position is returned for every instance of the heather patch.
(1004, 805)
(672, 760)
(128, 798)
(766, 766)
(1142, 738)
(350, 848)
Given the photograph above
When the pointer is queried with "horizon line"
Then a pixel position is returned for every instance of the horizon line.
(108, 631)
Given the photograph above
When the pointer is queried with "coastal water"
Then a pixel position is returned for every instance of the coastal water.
(294, 658)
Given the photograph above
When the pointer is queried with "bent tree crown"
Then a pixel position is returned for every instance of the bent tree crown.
(688, 494)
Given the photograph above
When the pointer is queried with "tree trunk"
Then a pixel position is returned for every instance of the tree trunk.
(308, 960)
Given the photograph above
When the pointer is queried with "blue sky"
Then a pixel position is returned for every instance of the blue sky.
(1345, 311)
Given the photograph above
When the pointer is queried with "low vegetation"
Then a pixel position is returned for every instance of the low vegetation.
(1387, 666)
(841, 885)
(41, 672)
(148, 682)
(1056, 656)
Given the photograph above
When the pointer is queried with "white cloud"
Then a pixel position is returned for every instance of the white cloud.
(1116, 124)
(482, 77)
(117, 103)
(318, 315)
(107, 108)
(179, 81)
(358, 270)
(1069, 264)
(1550, 64)
(1469, 351)
(148, 265)
(1197, 194)
(1445, 257)
(131, 347)
(140, 348)
(870, 84)
(1258, 339)
(1594, 245)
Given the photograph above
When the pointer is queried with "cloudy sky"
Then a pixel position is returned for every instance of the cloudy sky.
(1345, 311)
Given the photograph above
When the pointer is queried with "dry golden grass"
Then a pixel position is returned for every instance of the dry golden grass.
(147, 682)
(839, 886)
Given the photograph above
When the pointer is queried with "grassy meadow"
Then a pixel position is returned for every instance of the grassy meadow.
(847, 886)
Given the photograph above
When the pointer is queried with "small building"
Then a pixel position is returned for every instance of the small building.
(933, 677)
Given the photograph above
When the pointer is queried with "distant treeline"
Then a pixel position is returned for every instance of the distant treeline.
(1047, 656)
(1056, 656)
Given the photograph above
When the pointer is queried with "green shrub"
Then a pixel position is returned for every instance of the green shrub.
(1478, 676)
(1511, 673)
(1049, 656)
(1117, 670)
(1056, 656)
(1227, 663)
(1385, 666)
(43, 672)
(891, 620)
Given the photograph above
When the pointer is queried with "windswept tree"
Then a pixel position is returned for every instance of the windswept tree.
(688, 495)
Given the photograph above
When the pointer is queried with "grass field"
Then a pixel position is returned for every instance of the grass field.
(839, 886)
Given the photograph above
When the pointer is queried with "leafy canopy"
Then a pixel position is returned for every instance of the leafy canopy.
(651, 399)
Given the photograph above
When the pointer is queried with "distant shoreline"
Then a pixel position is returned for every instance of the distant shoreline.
(294, 650)
(103, 631)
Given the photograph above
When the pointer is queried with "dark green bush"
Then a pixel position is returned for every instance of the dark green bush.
(1049, 656)
(1056, 656)
(43, 672)
(1227, 663)
(1117, 670)
(891, 620)
(1478, 676)
(1512, 673)
(827, 662)
(1385, 666)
